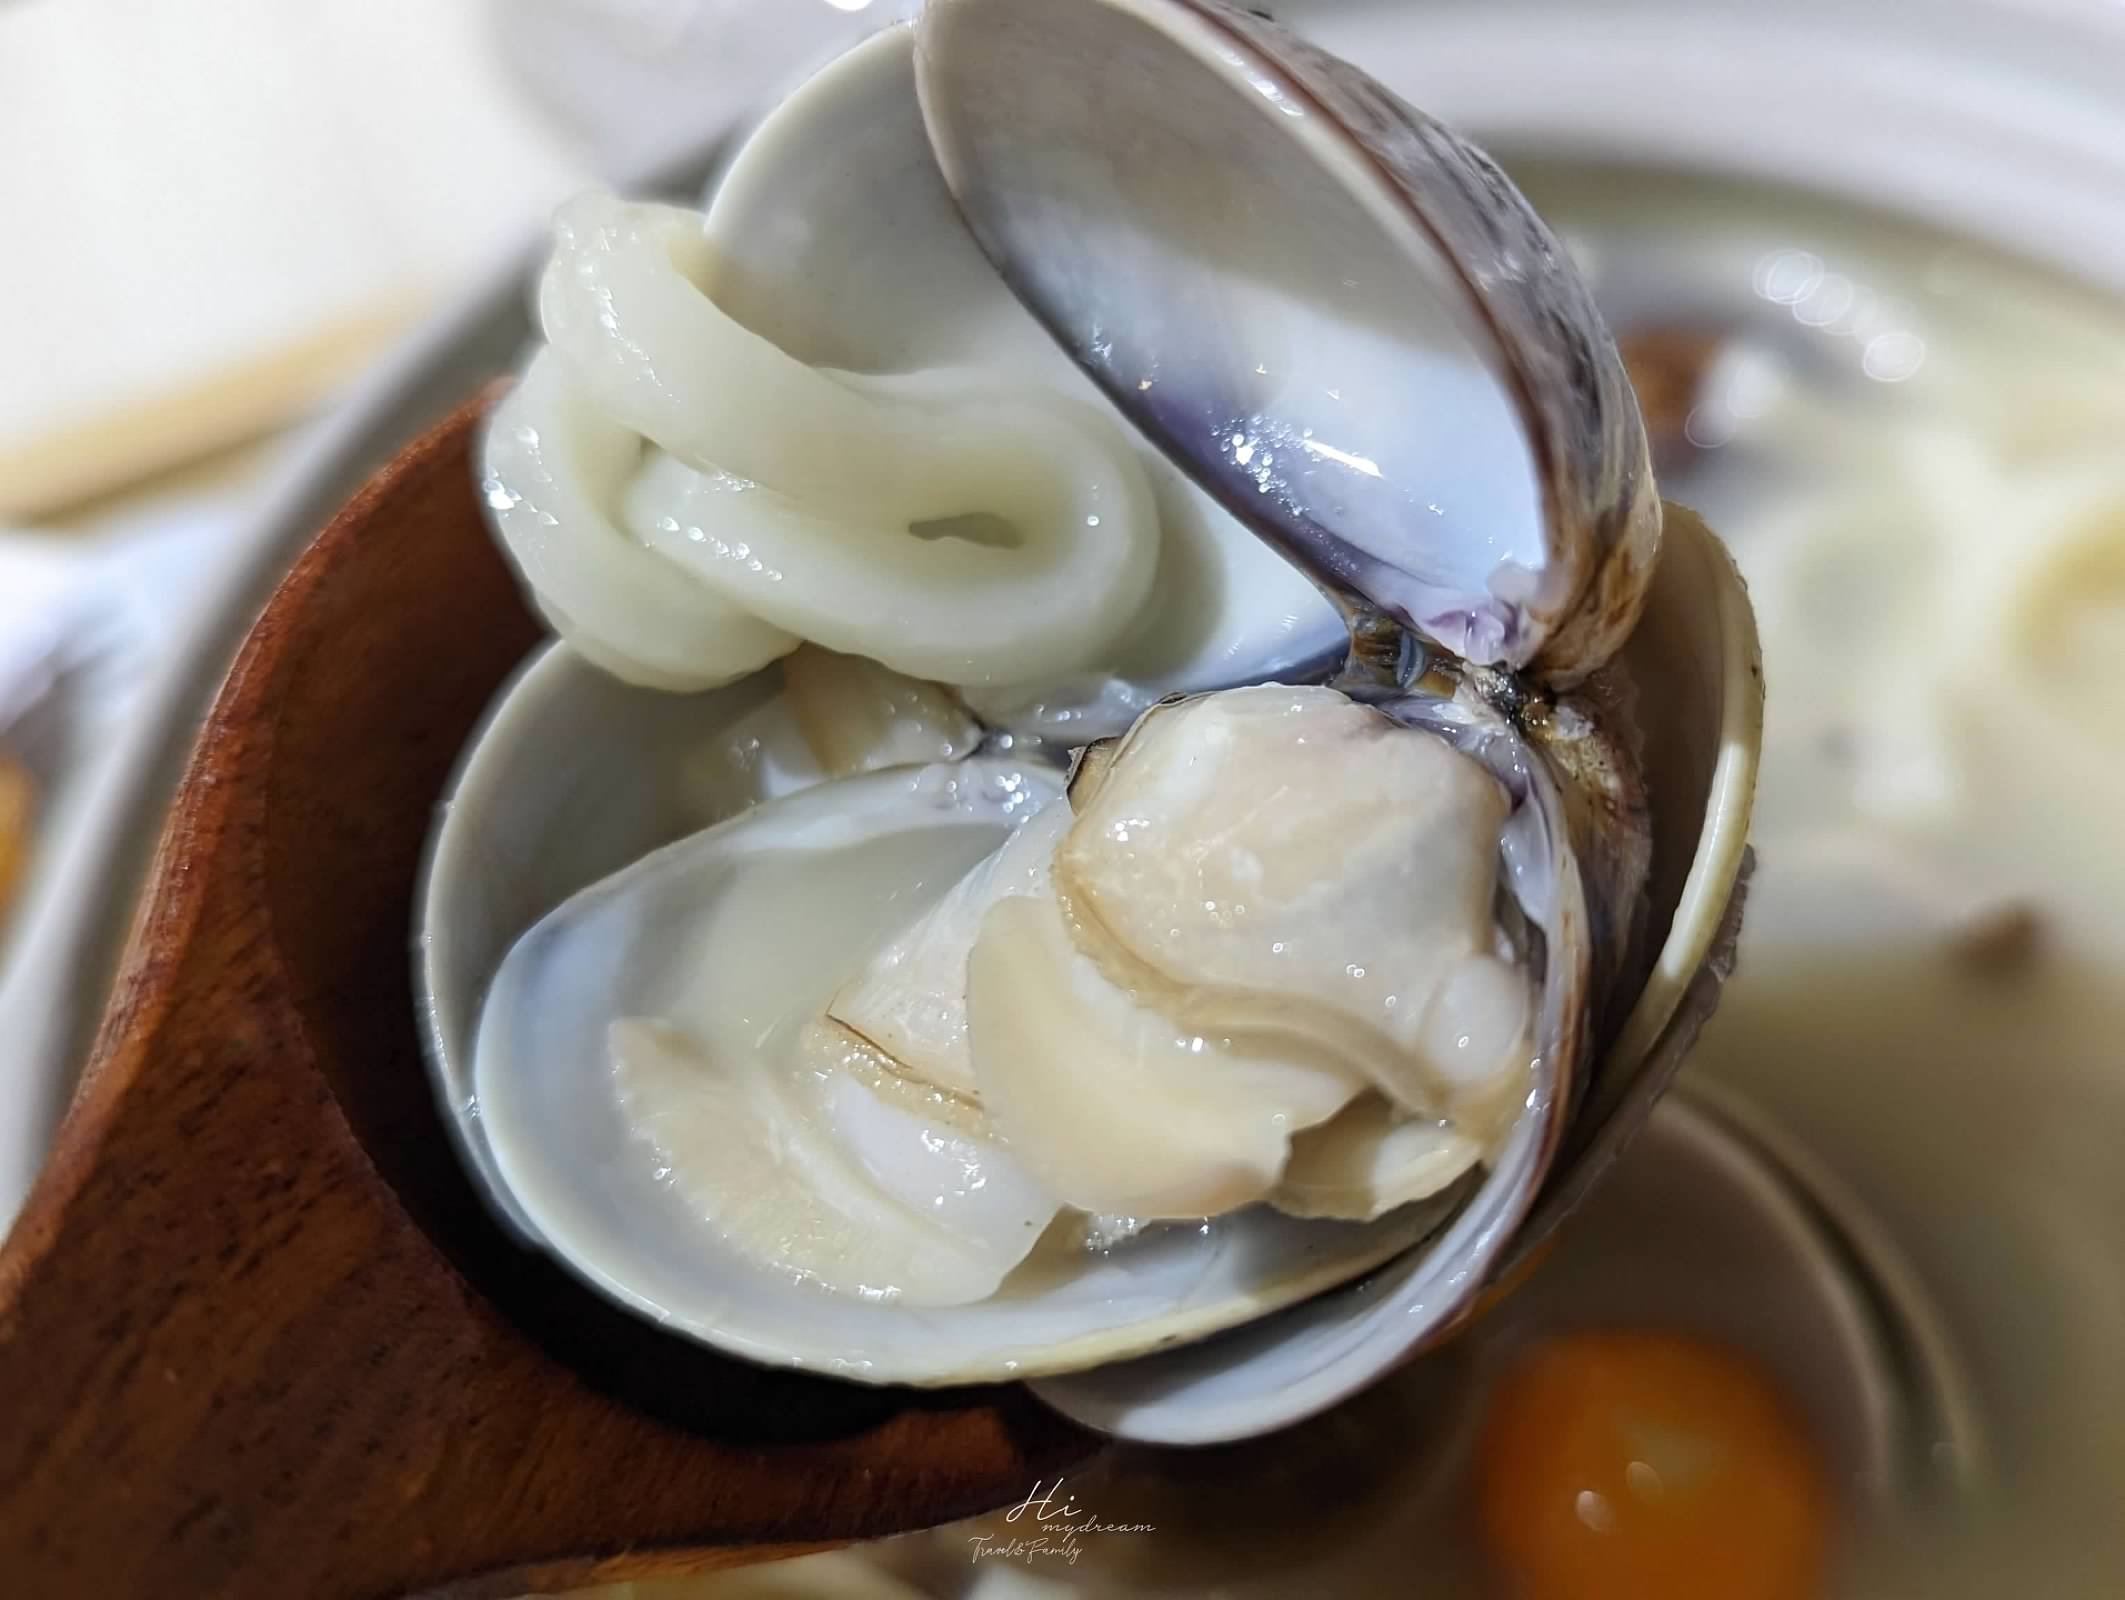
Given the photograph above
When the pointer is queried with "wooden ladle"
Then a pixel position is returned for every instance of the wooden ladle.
(257, 1335)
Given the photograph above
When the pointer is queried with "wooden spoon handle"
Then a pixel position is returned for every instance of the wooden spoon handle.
(257, 1336)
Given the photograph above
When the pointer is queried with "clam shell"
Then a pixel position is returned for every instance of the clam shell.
(1695, 664)
(1391, 372)
(1697, 668)
(532, 815)
(534, 1101)
(533, 805)
(631, 945)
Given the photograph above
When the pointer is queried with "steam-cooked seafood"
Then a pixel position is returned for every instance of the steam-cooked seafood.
(953, 1066)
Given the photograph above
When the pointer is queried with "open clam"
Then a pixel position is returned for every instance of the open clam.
(963, 1070)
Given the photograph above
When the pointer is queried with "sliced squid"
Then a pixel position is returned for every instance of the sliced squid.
(948, 523)
(555, 470)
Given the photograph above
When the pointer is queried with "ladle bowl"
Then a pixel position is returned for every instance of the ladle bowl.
(258, 1335)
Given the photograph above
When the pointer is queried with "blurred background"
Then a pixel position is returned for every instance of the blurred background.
(1864, 262)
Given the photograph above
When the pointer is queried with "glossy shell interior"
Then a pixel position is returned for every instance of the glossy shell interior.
(1341, 319)
(549, 1133)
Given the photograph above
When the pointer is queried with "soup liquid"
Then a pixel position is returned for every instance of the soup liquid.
(1918, 466)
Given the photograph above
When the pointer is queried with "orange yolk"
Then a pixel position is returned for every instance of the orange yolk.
(1643, 1466)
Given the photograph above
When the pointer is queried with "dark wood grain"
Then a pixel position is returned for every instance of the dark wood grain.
(257, 1336)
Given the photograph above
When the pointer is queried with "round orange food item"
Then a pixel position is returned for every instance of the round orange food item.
(1647, 1466)
(17, 801)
